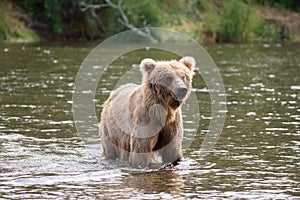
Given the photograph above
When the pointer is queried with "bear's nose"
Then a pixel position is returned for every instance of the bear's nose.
(180, 93)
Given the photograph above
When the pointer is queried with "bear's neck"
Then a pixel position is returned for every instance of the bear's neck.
(174, 104)
(171, 105)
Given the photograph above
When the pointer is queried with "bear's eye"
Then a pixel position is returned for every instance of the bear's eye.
(183, 78)
(169, 79)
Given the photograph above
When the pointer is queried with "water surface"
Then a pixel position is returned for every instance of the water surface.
(256, 157)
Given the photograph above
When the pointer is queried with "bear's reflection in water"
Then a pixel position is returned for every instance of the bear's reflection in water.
(165, 181)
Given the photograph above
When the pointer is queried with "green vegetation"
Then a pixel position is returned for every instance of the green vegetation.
(282, 4)
(61, 16)
(138, 13)
(238, 23)
(12, 29)
(65, 17)
(205, 21)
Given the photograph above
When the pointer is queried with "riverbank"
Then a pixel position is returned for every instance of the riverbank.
(15, 24)
(205, 21)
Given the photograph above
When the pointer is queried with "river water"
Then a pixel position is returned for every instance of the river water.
(256, 157)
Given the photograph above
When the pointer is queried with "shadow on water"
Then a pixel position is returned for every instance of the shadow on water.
(257, 155)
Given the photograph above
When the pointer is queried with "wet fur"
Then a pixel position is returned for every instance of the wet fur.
(133, 102)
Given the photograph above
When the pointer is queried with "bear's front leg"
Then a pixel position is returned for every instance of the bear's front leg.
(139, 160)
(141, 151)
(171, 152)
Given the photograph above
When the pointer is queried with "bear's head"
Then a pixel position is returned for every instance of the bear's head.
(169, 81)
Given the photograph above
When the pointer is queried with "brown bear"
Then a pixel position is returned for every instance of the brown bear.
(138, 120)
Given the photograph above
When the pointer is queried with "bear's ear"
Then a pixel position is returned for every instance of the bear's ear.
(189, 62)
(147, 65)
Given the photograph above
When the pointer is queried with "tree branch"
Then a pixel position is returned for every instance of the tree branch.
(84, 7)
(145, 32)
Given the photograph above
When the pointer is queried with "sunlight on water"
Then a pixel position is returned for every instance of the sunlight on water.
(256, 157)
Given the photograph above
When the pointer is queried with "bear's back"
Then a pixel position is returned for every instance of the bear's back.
(123, 92)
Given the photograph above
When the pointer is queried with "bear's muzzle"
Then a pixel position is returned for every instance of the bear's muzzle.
(180, 93)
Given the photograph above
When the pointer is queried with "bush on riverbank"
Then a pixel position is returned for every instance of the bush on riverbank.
(238, 23)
